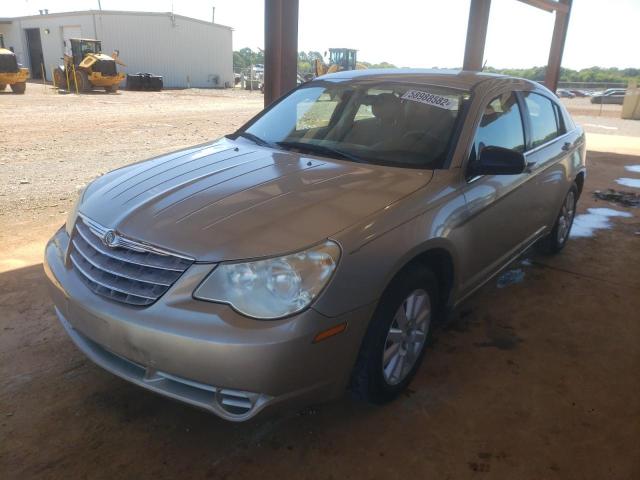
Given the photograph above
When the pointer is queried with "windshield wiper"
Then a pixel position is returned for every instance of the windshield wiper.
(254, 139)
(322, 150)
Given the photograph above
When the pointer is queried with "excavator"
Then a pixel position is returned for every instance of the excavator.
(90, 66)
(339, 59)
(11, 73)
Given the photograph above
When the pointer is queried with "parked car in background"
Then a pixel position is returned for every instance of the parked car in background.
(579, 93)
(564, 93)
(315, 248)
(610, 96)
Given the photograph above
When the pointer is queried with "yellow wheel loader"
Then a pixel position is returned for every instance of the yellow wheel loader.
(339, 59)
(85, 67)
(11, 73)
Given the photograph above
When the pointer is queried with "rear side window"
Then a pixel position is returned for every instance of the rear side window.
(500, 126)
(544, 119)
(568, 121)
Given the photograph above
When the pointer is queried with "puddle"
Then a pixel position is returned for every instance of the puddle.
(510, 277)
(598, 218)
(629, 182)
(628, 199)
(632, 168)
(499, 335)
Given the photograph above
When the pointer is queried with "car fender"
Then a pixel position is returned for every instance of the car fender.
(375, 251)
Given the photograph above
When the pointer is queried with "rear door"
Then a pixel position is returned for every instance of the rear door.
(552, 155)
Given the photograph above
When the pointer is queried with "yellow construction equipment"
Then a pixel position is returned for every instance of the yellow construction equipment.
(11, 73)
(339, 59)
(85, 67)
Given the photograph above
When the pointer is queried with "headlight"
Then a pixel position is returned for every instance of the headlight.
(275, 287)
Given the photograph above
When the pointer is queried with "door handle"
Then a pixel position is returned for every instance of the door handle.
(566, 146)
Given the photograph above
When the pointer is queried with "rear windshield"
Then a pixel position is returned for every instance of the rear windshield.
(393, 124)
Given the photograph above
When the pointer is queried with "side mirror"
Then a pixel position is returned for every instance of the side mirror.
(499, 161)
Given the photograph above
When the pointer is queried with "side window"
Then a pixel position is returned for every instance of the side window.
(500, 126)
(543, 118)
(314, 113)
(567, 121)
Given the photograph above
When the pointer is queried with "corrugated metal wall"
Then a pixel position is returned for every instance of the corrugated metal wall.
(186, 52)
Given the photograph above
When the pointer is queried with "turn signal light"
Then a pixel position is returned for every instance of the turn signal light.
(330, 332)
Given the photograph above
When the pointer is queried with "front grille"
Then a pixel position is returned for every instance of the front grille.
(126, 275)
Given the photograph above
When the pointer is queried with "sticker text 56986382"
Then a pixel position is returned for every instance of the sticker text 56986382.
(431, 99)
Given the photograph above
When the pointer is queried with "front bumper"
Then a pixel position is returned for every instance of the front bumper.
(99, 80)
(205, 353)
(15, 77)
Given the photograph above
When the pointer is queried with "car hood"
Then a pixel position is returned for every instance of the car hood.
(233, 200)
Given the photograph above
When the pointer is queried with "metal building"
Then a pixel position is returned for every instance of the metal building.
(187, 52)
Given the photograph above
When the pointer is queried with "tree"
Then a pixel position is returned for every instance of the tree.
(591, 74)
(245, 57)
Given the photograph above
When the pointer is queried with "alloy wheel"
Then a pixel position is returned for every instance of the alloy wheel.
(406, 337)
(566, 217)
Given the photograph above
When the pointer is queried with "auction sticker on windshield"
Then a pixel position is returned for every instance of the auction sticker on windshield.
(430, 99)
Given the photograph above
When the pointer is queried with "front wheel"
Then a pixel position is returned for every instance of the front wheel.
(395, 342)
(111, 88)
(559, 235)
(82, 81)
(60, 78)
(19, 87)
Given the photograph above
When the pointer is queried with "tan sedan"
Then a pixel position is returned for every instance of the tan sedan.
(314, 249)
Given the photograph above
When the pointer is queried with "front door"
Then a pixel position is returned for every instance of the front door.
(500, 220)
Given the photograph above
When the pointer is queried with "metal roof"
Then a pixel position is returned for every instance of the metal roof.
(110, 12)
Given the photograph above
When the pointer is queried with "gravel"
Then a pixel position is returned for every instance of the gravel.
(55, 144)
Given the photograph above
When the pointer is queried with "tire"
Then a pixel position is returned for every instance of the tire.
(60, 78)
(2, 87)
(111, 88)
(83, 81)
(557, 239)
(19, 87)
(379, 380)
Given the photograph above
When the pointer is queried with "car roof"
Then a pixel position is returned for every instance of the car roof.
(461, 79)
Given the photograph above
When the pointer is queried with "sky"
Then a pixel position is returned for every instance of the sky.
(410, 33)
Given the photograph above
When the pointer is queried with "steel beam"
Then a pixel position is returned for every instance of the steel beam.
(476, 34)
(548, 5)
(557, 46)
(281, 48)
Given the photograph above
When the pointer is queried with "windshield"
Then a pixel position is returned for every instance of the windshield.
(83, 47)
(394, 124)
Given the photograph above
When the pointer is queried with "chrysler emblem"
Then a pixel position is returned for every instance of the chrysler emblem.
(110, 238)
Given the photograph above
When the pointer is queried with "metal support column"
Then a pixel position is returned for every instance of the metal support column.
(476, 34)
(557, 45)
(281, 48)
